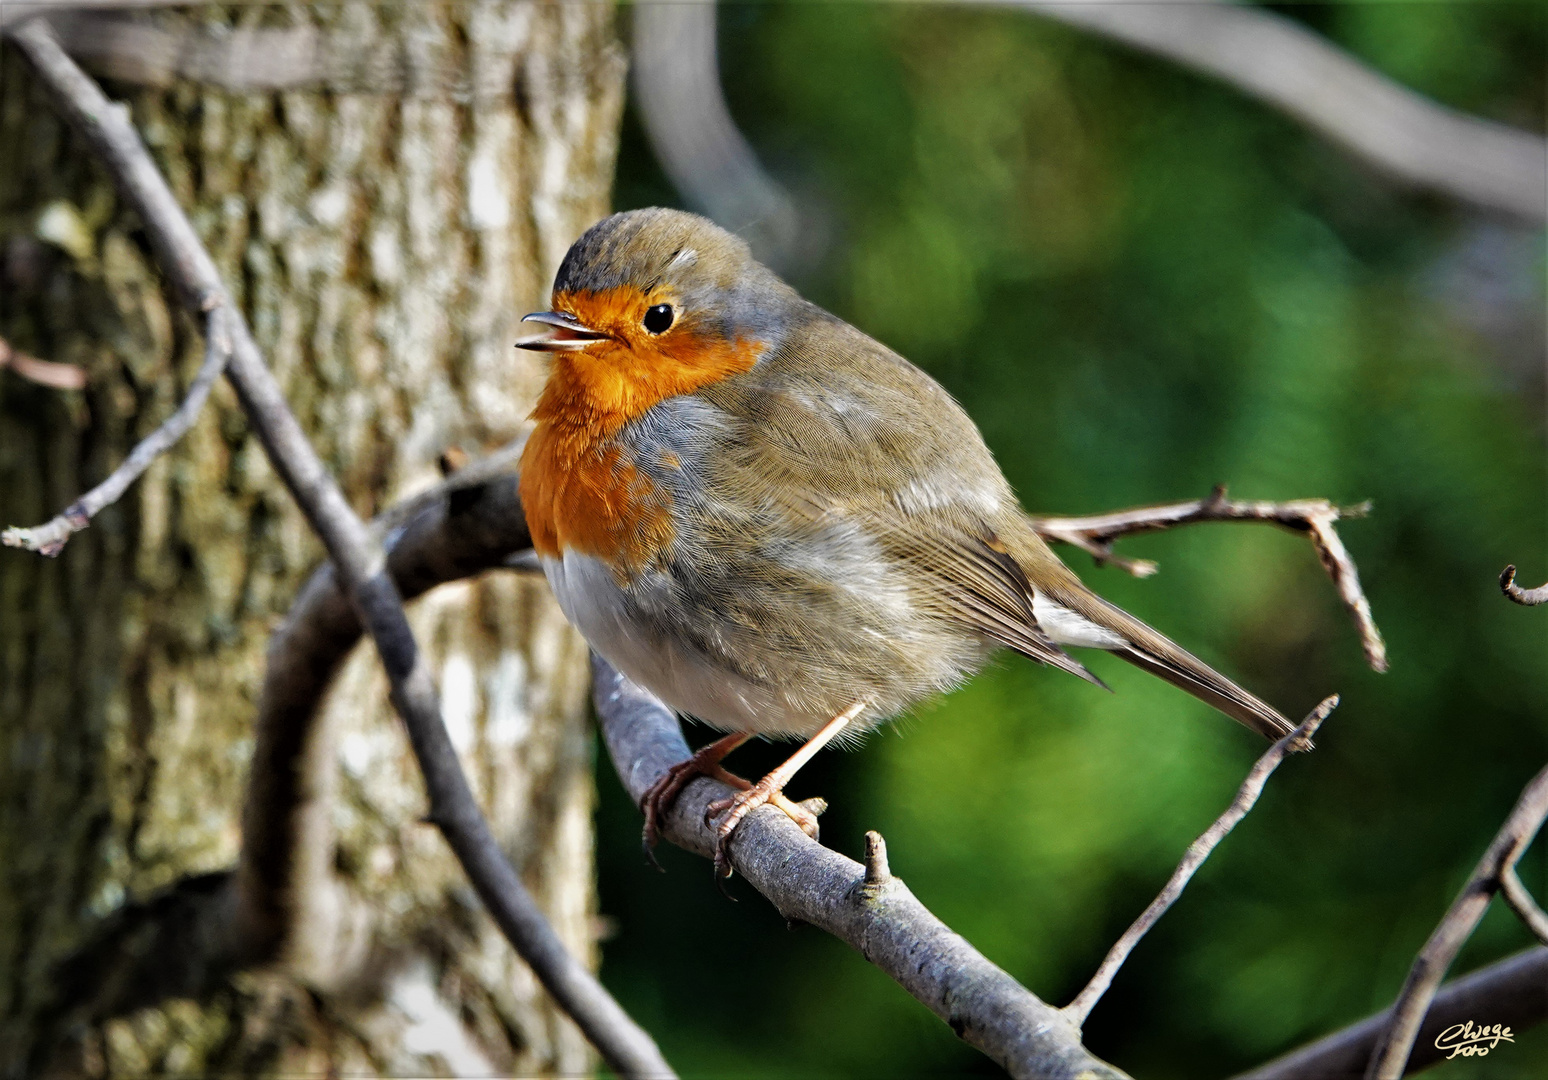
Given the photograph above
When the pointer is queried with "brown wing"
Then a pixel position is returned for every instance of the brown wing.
(974, 581)
(836, 423)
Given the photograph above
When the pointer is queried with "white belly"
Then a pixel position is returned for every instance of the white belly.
(675, 672)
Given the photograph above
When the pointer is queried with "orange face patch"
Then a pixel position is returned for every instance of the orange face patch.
(611, 382)
(576, 491)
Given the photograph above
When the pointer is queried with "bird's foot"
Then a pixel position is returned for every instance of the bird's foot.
(658, 798)
(765, 792)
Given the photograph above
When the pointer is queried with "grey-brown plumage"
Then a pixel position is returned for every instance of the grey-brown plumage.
(838, 529)
(776, 523)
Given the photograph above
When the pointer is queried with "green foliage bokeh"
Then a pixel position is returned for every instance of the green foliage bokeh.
(1140, 283)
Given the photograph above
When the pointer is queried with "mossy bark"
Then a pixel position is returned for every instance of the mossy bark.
(383, 245)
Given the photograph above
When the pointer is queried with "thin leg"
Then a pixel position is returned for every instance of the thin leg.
(771, 788)
(706, 762)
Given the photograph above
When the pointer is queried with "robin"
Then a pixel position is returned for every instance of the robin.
(776, 524)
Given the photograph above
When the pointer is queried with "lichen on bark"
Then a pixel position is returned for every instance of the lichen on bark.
(383, 242)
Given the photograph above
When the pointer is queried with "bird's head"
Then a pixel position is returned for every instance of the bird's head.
(653, 303)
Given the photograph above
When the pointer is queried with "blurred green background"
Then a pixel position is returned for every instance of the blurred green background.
(1141, 283)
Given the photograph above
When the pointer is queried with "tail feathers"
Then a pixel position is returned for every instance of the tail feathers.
(1212, 688)
(1067, 613)
(1151, 651)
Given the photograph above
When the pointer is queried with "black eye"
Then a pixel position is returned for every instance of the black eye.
(658, 319)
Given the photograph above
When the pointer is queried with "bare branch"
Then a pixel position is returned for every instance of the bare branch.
(1456, 927)
(1524, 597)
(14, 11)
(49, 539)
(357, 557)
(458, 529)
(43, 372)
(1523, 905)
(1297, 741)
(1096, 534)
(677, 88)
(870, 909)
(1403, 134)
(1513, 991)
(470, 524)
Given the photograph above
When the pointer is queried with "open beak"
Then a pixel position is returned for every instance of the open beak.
(565, 333)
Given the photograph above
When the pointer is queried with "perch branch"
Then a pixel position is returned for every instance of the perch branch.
(864, 906)
(1297, 741)
(441, 543)
(1405, 135)
(1455, 928)
(1096, 534)
(49, 539)
(357, 557)
(1513, 991)
(1524, 597)
(43, 372)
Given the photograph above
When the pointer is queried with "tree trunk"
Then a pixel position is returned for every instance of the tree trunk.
(384, 219)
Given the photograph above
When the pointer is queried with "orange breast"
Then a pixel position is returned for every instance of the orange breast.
(580, 496)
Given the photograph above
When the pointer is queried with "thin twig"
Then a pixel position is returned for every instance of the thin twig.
(43, 372)
(1096, 534)
(1456, 927)
(1521, 902)
(1513, 992)
(358, 557)
(49, 539)
(1524, 597)
(1295, 742)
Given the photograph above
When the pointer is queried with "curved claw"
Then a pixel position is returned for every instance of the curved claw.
(658, 798)
(733, 810)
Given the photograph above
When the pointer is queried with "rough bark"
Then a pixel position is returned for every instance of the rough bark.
(383, 245)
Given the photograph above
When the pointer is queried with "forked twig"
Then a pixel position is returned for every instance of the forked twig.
(1413, 1002)
(1200, 850)
(49, 539)
(1524, 597)
(43, 372)
(1096, 534)
(1523, 905)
